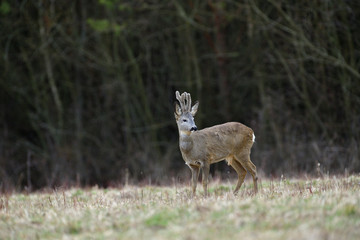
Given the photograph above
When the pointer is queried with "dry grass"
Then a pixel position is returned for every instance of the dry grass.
(284, 209)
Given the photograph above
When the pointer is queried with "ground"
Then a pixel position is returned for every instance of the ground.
(327, 208)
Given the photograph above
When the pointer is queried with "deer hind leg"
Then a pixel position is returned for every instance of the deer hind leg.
(249, 166)
(195, 170)
(241, 171)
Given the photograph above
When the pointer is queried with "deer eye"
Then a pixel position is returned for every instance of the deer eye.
(184, 120)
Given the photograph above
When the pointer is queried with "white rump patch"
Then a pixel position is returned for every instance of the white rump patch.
(253, 137)
(229, 160)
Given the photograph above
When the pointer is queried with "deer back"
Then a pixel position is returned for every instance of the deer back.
(221, 141)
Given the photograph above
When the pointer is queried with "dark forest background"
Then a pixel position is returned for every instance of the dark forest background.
(87, 87)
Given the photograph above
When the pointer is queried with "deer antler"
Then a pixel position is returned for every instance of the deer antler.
(184, 100)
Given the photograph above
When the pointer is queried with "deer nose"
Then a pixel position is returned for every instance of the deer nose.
(193, 129)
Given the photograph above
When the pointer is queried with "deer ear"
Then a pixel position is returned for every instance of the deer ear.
(178, 111)
(194, 108)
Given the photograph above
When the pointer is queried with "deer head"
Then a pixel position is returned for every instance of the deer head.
(184, 113)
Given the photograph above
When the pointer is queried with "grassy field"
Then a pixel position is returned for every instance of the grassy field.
(326, 208)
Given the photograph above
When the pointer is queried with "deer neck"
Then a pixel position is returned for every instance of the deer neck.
(186, 141)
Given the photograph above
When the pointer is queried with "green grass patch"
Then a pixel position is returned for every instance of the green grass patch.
(350, 210)
(161, 219)
(220, 190)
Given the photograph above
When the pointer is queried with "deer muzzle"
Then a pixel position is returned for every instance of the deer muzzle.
(193, 129)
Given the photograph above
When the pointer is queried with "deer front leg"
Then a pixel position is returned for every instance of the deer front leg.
(205, 177)
(195, 176)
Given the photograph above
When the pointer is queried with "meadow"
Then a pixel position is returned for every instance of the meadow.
(308, 208)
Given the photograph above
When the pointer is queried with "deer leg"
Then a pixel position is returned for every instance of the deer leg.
(241, 171)
(249, 166)
(195, 170)
(252, 169)
(205, 177)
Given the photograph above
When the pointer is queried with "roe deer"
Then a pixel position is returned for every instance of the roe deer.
(231, 141)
